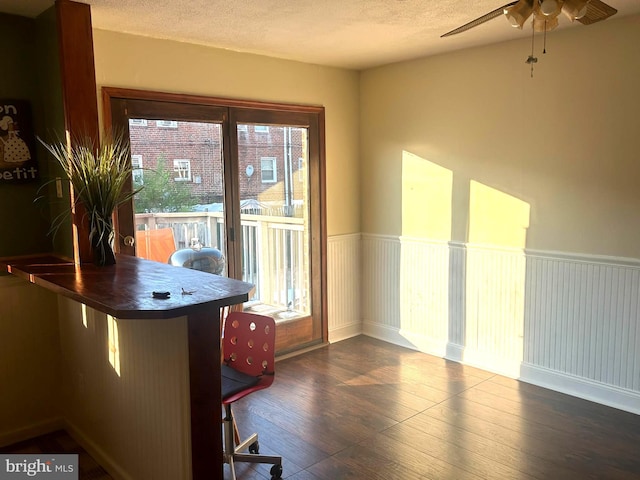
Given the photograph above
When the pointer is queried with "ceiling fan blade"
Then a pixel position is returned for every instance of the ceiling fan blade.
(596, 12)
(479, 21)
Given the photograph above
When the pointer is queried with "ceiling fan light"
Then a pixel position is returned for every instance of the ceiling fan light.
(575, 9)
(517, 14)
(550, 8)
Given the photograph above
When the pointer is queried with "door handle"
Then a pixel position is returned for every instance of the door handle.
(129, 241)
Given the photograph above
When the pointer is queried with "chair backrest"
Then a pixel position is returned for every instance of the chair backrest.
(249, 343)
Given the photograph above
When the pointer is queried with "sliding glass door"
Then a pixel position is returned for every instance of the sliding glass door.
(233, 190)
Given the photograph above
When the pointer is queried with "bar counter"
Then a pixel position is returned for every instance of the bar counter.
(125, 291)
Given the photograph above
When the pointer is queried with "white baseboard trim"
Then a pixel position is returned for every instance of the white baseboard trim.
(404, 339)
(483, 361)
(31, 431)
(455, 352)
(621, 399)
(344, 332)
(99, 455)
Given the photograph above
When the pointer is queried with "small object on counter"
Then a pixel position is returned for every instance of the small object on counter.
(162, 295)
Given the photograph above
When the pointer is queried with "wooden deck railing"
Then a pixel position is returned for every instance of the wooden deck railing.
(273, 253)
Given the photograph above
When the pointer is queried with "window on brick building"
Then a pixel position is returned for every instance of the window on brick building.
(167, 123)
(136, 166)
(268, 170)
(182, 169)
(137, 122)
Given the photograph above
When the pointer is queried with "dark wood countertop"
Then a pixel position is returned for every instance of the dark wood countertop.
(124, 290)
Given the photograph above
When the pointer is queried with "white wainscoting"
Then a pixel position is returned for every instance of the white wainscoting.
(125, 394)
(563, 321)
(583, 314)
(343, 286)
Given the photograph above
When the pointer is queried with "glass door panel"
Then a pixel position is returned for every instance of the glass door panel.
(274, 215)
(179, 212)
(241, 177)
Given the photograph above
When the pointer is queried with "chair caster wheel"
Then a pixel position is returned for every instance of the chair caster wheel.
(254, 448)
(276, 472)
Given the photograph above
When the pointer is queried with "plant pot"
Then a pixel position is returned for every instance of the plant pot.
(101, 239)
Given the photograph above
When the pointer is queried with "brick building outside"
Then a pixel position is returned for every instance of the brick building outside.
(272, 161)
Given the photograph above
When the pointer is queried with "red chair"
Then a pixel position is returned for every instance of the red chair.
(248, 366)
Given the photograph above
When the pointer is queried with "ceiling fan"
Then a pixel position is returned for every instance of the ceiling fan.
(545, 14)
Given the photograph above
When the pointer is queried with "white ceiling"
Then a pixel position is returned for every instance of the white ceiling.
(355, 34)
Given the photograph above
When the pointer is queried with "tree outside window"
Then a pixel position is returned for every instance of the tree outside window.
(161, 193)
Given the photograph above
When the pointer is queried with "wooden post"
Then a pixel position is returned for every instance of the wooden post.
(79, 97)
(206, 395)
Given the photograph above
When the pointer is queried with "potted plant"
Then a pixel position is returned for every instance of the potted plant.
(99, 174)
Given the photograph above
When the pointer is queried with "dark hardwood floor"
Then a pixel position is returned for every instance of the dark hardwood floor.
(365, 409)
(60, 442)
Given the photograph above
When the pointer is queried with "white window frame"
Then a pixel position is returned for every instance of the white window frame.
(137, 122)
(137, 169)
(273, 169)
(181, 165)
(166, 123)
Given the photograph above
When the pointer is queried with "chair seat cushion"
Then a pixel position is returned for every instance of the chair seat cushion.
(234, 381)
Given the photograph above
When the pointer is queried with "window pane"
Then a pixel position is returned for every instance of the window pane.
(182, 169)
(181, 204)
(274, 213)
(268, 169)
(137, 172)
(167, 123)
(137, 122)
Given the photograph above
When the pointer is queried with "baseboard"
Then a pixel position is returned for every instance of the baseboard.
(300, 351)
(342, 333)
(404, 339)
(619, 398)
(98, 454)
(455, 352)
(586, 389)
(483, 361)
(31, 431)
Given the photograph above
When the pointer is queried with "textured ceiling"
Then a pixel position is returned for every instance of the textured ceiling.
(354, 34)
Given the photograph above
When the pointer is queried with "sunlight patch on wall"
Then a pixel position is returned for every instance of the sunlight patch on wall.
(84, 316)
(423, 282)
(497, 218)
(495, 279)
(114, 344)
(426, 198)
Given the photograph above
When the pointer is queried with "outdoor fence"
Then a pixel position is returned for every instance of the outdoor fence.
(273, 253)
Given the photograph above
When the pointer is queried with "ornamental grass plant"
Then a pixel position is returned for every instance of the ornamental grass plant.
(100, 174)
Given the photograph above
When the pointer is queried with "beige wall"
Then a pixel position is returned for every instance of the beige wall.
(151, 64)
(549, 162)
